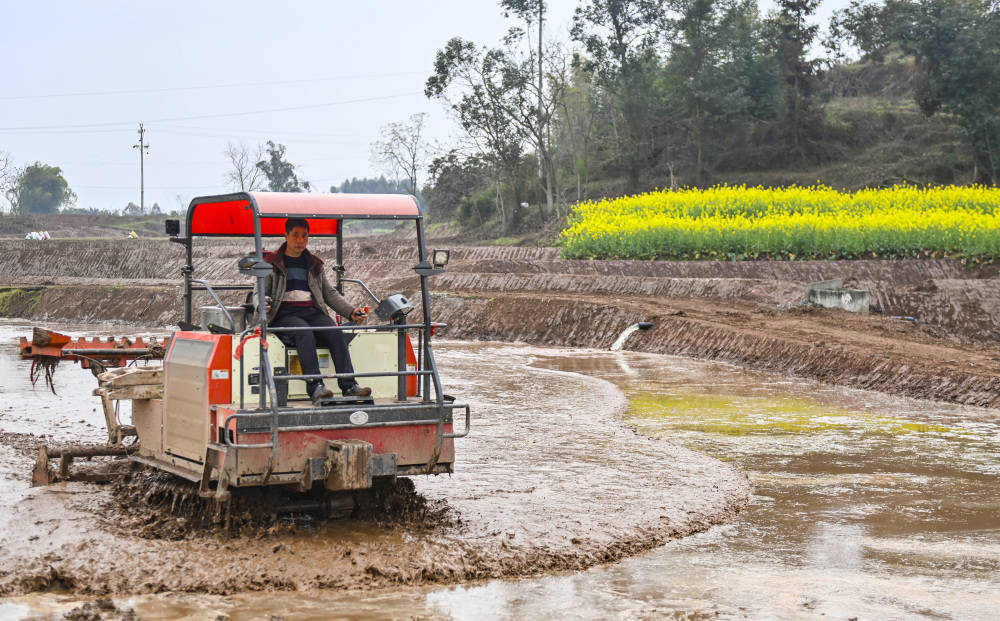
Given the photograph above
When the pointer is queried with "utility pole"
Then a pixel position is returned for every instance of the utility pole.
(143, 149)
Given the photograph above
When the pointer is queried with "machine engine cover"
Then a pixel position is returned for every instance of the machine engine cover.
(393, 307)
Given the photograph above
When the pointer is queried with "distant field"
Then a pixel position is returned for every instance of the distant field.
(738, 223)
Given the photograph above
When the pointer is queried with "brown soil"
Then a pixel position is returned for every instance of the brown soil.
(101, 609)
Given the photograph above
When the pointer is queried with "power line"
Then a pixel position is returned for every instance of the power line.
(143, 149)
(211, 116)
(131, 188)
(159, 164)
(282, 136)
(207, 87)
(253, 131)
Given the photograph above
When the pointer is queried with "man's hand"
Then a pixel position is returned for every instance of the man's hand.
(358, 315)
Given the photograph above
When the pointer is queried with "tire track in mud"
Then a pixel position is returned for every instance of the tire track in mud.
(550, 479)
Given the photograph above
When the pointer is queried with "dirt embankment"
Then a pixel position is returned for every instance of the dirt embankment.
(932, 334)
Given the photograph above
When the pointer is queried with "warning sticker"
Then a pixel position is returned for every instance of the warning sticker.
(220, 373)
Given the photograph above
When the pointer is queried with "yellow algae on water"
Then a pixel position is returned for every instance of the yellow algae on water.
(746, 415)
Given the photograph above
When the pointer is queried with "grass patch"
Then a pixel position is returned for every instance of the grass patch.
(17, 302)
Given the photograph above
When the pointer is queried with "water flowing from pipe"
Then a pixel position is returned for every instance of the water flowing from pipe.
(617, 345)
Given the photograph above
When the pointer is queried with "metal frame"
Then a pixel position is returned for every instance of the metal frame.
(268, 409)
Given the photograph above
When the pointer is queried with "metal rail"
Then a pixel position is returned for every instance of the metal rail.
(363, 286)
(386, 327)
(402, 372)
(468, 421)
(268, 408)
(345, 375)
(430, 374)
(223, 287)
(230, 421)
(208, 287)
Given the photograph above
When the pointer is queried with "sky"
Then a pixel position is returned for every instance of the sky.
(320, 77)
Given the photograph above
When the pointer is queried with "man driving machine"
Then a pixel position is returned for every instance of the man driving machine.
(297, 291)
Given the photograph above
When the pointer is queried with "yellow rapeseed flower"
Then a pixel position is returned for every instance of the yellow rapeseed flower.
(737, 221)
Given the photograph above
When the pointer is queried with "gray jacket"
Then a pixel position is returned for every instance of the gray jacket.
(321, 289)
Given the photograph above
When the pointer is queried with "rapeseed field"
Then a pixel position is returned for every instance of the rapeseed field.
(737, 222)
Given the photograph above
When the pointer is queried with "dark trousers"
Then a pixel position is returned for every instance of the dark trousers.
(307, 340)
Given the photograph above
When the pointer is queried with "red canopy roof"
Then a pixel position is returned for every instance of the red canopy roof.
(233, 214)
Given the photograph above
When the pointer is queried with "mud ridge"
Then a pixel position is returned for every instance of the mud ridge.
(823, 362)
(372, 566)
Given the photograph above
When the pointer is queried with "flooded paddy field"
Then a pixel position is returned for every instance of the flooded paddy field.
(583, 470)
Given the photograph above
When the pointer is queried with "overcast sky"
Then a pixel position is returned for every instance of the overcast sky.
(320, 77)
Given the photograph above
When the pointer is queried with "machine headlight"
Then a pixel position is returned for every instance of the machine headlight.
(440, 257)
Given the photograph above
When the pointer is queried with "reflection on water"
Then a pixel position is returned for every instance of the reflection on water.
(865, 506)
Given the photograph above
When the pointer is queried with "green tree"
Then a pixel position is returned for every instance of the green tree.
(620, 38)
(956, 44)
(528, 72)
(718, 80)
(365, 185)
(863, 25)
(575, 129)
(956, 48)
(792, 36)
(475, 83)
(460, 188)
(279, 172)
(40, 189)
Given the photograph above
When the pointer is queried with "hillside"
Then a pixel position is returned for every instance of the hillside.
(870, 134)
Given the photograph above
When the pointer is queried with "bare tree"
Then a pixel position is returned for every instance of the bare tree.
(402, 150)
(9, 174)
(536, 119)
(245, 175)
(182, 204)
(495, 97)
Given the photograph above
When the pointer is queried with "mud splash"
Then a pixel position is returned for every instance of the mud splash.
(156, 505)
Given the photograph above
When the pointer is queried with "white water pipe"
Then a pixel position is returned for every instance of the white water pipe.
(642, 325)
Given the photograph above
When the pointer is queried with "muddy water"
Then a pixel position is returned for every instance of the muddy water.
(864, 506)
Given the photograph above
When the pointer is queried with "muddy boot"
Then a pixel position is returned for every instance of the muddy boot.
(320, 393)
(357, 391)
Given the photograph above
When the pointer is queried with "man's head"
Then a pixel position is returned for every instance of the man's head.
(296, 236)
